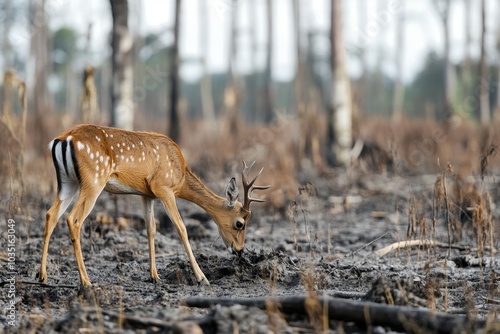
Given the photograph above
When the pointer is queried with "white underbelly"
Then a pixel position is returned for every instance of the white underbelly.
(116, 187)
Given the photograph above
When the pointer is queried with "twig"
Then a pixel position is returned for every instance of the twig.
(368, 244)
(410, 243)
(41, 284)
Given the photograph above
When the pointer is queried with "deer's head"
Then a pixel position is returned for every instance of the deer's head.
(233, 223)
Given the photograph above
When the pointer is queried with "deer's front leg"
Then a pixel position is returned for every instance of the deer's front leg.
(168, 199)
(151, 230)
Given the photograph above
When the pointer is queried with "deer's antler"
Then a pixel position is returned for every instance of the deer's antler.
(248, 187)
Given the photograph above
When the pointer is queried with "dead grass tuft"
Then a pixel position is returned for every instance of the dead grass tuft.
(485, 157)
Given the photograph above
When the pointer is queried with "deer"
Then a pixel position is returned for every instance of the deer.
(89, 159)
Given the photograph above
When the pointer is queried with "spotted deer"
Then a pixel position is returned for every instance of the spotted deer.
(89, 159)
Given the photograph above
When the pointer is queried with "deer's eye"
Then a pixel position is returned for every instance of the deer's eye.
(238, 225)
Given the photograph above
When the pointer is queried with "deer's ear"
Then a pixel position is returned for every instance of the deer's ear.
(232, 192)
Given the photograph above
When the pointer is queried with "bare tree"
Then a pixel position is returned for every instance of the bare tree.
(251, 91)
(299, 70)
(340, 115)
(122, 109)
(268, 84)
(497, 106)
(207, 101)
(443, 9)
(399, 90)
(8, 19)
(40, 54)
(484, 95)
(231, 93)
(88, 104)
(468, 39)
(174, 125)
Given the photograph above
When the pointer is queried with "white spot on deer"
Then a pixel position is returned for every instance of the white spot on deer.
(107, 135)
(97, 167)
(80, 146)
(111, 135)
(123, 144)
(112, 148)
(101, 158)
(154, 150)
(118, 145)
(97, 154)
(132, 158)
(157, 157)
(133, 145)
(122, 157)
(88, 149)
(106, 163)
(171, 172)
(142, 143)
(143, 153)
(95, 181)
(102, 172)
(127, 160)
(128, 148)
(97, 138)
(121, 150)
(91, 156)
(116, 156)
(157, 147)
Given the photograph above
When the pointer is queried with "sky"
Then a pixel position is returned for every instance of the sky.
(377, 31)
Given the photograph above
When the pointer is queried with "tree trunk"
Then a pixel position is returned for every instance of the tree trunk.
(174, 130)
(252, 77)
(484, 96)
(231, 122)
(299, 69)
(207, 101)
(399, 89)
(122, 108)
(468, 40)
(449, 72)
(40, 51)
(88, 104)
(340, 114)
(497, 107)
(7, 21)
(268, 84)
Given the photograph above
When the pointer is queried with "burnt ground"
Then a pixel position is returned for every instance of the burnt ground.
(322, 242)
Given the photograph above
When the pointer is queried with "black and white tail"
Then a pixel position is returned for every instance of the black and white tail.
(66, 165)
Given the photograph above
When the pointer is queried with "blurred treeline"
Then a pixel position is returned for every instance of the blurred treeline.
(54, 66)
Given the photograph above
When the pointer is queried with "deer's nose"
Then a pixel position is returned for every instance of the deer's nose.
(239, 252)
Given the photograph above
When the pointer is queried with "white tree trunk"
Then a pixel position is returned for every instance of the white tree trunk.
(484, 95)
(340, 119)
(122, 107)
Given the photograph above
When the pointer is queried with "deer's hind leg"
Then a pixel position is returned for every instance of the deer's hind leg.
(52, 217)
(80, 211)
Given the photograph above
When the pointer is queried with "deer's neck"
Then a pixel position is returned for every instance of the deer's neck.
(197, 192)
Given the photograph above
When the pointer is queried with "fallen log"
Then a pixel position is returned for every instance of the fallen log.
(397, 318)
